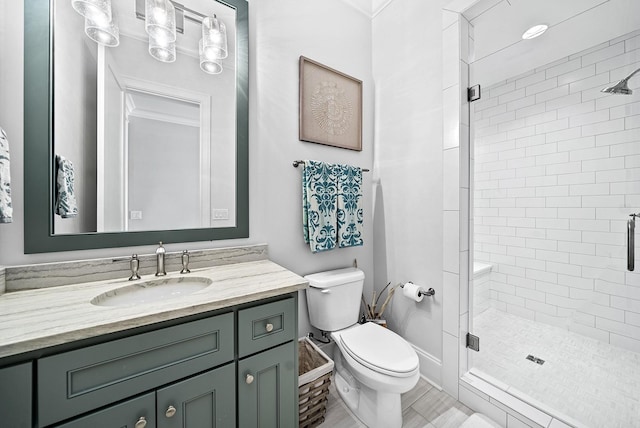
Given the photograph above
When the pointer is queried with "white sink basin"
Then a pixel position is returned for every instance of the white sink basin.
(154, 290)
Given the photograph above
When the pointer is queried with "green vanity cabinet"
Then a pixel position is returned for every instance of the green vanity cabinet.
(207, 400)
(268, 389)
(137, 412)
(15, 396)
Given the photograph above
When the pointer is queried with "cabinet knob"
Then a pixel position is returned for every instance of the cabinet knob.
(249, 379)
(269, 327)
(170, 412)
(142, 422)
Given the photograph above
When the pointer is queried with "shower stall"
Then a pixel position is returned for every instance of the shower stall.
(554, 192)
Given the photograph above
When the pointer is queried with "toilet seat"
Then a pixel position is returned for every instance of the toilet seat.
(380, 349)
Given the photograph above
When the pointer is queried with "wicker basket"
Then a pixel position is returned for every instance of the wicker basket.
(314, 378)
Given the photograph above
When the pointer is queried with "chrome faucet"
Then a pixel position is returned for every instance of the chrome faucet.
(134, 263)
(160, 252)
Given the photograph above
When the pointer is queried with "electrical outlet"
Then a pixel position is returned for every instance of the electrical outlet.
(220, 214)
(135, 215)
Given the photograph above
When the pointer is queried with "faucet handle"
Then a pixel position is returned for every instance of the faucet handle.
(134, 263)
(185, 262)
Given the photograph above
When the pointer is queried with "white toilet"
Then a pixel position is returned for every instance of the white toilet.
(374, 365)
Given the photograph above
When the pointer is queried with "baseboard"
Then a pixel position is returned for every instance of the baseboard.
(430, 367)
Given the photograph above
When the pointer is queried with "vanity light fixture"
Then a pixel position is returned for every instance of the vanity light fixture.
(207, 63)
(104, 34)
(98, 11)
(162, 49)
(535, 31)
(160, 21)
(214, 38)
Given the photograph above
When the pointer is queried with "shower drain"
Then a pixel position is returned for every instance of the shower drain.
(535, 359)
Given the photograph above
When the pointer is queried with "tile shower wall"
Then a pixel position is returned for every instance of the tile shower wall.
(557, 172)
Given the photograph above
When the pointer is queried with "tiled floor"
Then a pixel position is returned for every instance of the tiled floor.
(422, 407)
(590, 381)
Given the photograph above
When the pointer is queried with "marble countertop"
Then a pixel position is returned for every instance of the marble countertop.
(36, 319)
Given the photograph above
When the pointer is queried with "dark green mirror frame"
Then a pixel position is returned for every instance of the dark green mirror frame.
(38, 153)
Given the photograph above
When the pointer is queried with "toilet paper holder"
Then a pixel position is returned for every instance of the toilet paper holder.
(421, 291)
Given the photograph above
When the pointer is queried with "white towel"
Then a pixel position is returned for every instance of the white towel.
(66, 205)
(6, 210)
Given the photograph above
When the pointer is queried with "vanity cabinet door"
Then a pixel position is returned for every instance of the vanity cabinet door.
(15, 396)
(267, 389)
(135, 413)
(203, 401)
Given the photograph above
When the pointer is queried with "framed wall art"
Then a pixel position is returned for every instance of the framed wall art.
(330, 106)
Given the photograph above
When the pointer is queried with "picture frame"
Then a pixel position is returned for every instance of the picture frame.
(330, 108)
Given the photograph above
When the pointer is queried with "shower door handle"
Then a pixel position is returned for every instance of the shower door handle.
(631, 228)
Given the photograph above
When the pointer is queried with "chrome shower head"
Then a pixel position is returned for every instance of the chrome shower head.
(621, 87)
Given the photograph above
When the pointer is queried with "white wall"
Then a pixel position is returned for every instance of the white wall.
(327, 31)
(407, 64)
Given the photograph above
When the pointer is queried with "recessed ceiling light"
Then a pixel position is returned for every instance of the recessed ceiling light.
(534, 31)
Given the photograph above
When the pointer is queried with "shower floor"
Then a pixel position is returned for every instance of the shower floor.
(594, 383)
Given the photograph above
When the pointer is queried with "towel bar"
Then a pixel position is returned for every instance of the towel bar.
(300, 162)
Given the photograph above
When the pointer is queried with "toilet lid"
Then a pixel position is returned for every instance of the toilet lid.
(380, 349)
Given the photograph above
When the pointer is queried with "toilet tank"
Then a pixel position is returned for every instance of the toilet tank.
(333, 298)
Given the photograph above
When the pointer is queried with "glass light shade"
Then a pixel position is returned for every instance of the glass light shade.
(160, 20)
(214, 38)
(98, 11)
(105, 34)
(162, 50)
(208, 64)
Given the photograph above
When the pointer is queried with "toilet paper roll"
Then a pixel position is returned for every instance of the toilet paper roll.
(412, 291)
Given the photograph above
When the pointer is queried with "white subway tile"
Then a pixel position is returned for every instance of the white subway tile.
(553, 126)
(503, 117)
(526, 293)
(522, 252)
(524, 192)
(590, 153)
(588, 331)
(625, 304)
(605, 312)
(589, 189)
(611, 126)
(589, 118)
(564, 168)
(511, 125)
(497, 175)
(541, 307)
(502, 230)
(576, 144)
(554, 256)
(541, 149)
(563, 202)
(563, 101)
(589, 225)
(596, 81)
(542, 244)
(552, 158)
(593, 94)
(610, 101)
(555, 290)
(532, 171)
(530, 79)
(577, 247)
(588, 261)
(521, 282)
(602, 54)
(625, 188)
(521, 163)
(589, 50)
(552, 190)
(501, 89)
(603, 201)
(566, 134)
(603, 164)
(625, 342)
(542, 87)
(528, 232)
(584, 319)
(548, 180)
(531, 202)
(539, 118)
(514, 182)
(521, 103)
(603, 237)
(628, 109)
(502, 146)
(578, 178)
(476, 403)
(484, 103)
(575, 281)
(511, 300)
(565, 235)
(551, 94)
(493, 111)
(533, 140)
(580, 74)
(542, 212)
(530, 263)
(521, 133)
(623, 329)
(612, 177)
(623, 142)
(631, 122)
(571, 213)
(563, 68)
(576, 109)
(618, 62)
(632, 161)
(512, 212)
(632, 44)
(540, 275)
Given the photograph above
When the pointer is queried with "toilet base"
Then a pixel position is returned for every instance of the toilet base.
(375, 409)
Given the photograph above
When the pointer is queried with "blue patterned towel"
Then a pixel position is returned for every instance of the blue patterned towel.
(319, 205)
(66, 205)
(349, 206)
(6, 210)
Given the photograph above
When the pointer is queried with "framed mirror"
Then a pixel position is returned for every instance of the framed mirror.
(127, 143)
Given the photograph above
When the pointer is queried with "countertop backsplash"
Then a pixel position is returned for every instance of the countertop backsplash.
(17, 278)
